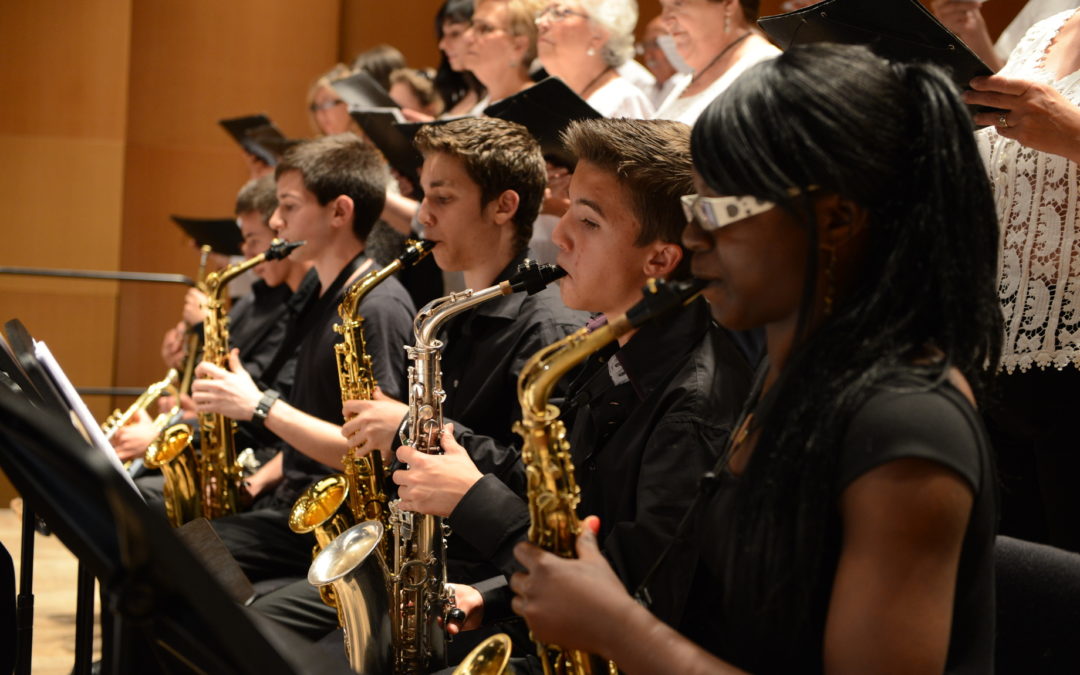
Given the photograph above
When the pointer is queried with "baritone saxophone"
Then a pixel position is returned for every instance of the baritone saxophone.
(552, 492)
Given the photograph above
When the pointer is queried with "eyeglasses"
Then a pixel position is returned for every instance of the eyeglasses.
(712, 213)
(558, 13)
(325, 105)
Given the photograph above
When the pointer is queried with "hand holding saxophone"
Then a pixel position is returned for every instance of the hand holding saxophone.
(195, 308)
(468, 600)
(231, 393)
(372, 425)
(575, 603)
(131, 440)
(434, 484)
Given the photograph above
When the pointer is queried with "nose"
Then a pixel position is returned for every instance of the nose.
(694, 238)
(276, 223)
(423, 214)
(559, 234)
(469, 36)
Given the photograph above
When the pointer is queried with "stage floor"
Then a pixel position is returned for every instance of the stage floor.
(54, 597)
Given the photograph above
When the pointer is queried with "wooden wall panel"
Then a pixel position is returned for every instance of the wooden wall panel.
(409, 26)
(193, 63)
(62, 124)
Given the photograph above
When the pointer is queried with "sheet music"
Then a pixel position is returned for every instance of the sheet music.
(81, 413)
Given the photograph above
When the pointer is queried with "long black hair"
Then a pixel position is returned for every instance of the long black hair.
(453, 85)
(896, 140)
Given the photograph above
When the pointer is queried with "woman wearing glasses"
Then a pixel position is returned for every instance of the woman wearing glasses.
(848, 526)
(500, 46)
(718, 40)
(584, 43)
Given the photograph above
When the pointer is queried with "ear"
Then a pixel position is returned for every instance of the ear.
(839, 220)
(505, 206)
(521, 45)
(342, 209)
(662, 259)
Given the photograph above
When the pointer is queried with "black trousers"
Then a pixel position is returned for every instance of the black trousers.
(263, 544)
(1031, 426)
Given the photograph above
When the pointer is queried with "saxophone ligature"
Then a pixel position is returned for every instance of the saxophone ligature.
(421, 604)
(208, 485)
(552, 492)
(335, 503)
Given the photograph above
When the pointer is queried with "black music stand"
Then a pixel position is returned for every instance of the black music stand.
(165, 606)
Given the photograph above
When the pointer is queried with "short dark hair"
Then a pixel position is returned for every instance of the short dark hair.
(750, 9)
(651, 159)
(258, 194)
(338, 165)
(498, 156)
(379, 62)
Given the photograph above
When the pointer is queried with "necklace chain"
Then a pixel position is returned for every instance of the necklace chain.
(725, 50)
(585, 91)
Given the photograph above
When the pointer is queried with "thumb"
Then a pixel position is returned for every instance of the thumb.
(234, 360)
(449, 445)
(379, 395)
(587, 548)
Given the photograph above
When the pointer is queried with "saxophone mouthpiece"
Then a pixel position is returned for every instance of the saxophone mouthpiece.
(532, 277)
(281, 249)
(662, 297)
(415, 251)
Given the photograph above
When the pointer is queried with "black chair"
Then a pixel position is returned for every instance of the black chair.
(167, 613)
(1038, 608)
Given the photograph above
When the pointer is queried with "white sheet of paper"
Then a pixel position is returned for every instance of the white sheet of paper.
(82, 414)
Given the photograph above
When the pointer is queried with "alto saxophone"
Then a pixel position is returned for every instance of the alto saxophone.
(208, 485)
(421, 604)
(553, 494)
(360, 487)
(118, 419)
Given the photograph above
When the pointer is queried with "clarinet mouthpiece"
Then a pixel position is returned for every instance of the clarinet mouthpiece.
(532, 277)
(281, 249)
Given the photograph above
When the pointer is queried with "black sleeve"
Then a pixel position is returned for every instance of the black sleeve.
(387, 329)
(677, 453)
(492, 519)
(894, 425)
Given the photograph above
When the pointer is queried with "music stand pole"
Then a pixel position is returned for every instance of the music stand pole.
(24, 606)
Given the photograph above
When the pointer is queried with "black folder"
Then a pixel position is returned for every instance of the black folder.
(222, 235)
(360, 91)
(258, 136)
(382, 126)
(898, 30)
(546, 109)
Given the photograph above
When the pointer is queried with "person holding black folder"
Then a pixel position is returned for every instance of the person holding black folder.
(849, 524)
(500, 46)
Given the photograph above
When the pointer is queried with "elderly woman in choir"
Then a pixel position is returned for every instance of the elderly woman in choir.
(717, 38)
(584, 42)
(329, 113)
(500, 45)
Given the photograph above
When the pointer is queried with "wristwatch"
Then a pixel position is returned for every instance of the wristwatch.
(262, 409)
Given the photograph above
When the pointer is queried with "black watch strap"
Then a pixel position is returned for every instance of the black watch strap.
(262, 408)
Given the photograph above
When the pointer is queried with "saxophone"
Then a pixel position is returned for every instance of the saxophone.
(553, 494)
(209, 485)
(118, 419)
(421, 603)
(319, 508)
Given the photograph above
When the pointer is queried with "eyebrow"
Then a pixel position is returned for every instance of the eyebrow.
(592, 205)
(442, 182)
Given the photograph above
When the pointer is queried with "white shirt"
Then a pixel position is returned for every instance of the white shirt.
(1038, 205)
(686, 109)
(620, 98)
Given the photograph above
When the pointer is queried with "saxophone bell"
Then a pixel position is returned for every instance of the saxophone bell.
(350, 565)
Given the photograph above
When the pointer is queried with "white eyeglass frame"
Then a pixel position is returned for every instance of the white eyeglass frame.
(712, 213)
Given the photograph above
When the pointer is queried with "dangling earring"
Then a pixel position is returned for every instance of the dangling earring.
(727, 21)
(830, 282)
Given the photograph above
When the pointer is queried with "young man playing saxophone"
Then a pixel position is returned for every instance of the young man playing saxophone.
(483, 181)
(330, 192)
(648, 414)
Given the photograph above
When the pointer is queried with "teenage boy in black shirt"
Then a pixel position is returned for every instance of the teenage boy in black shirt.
(330, 192)
(483, 181)
(650, 412)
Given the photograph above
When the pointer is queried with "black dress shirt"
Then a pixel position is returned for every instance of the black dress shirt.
(648, 420)
(258, 323)
(388, 313)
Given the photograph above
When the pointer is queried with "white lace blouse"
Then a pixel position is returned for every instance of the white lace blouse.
(1038, 206)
